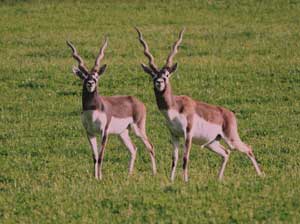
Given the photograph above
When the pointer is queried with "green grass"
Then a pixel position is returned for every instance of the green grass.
(243, 55)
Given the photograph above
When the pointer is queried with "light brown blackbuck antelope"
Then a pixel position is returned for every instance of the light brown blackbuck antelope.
(193, 120)
(106, 115)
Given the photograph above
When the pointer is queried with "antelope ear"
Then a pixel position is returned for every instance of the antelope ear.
(173, 68)
(102, 69)
(78, 73)
(148, 70)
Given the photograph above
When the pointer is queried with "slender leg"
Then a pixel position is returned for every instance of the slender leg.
(254, 162)
(93, 143)
(242, 147)
(186, 156)
(141, 133)
(103, 144)
(150, 149)
(175, 143)
(220, 150)
(130, 146)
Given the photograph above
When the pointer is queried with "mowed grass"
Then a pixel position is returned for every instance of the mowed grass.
(243, 55)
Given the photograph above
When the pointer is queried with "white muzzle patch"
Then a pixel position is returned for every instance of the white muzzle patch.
(160, 84)
(90, 86)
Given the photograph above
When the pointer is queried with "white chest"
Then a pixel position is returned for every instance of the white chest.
(176, 122)
(93, 121)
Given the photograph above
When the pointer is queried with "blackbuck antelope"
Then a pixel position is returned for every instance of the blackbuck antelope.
(193, 120)
(109, 115)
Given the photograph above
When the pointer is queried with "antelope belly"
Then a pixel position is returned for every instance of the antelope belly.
(204, 131)
(118, 125)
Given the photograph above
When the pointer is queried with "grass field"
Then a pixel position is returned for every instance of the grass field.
(243, 55)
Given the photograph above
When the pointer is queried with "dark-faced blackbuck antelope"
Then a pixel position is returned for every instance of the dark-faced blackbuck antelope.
(193, 120)
(104, 115)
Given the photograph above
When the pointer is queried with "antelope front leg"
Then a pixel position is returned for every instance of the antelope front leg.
(103, 144)
(93, 143)
(131, 147)
(175, 143)
(186, 156)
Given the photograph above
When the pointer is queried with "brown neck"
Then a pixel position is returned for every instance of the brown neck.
(165, 99)
(90, 101)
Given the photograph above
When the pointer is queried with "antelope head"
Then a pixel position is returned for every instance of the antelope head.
(161, 76)
(89, 78)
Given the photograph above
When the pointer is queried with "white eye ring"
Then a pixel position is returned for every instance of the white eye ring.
(167, 74)
(95, 75)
